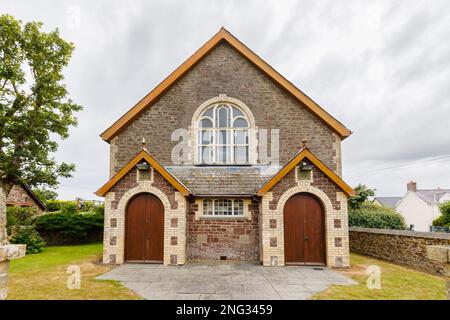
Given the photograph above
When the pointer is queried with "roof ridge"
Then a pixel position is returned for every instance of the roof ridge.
(203, 51)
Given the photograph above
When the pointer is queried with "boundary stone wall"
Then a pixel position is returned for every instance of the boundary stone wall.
(404, 247)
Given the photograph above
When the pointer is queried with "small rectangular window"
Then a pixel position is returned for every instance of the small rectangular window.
(223, 207)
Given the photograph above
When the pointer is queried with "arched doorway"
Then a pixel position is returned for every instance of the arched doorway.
(144, 229)
(304, 234)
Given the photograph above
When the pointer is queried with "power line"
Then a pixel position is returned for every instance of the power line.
(408, 164)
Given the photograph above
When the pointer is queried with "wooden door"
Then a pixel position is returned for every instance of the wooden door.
(304, 242)
(144, 229)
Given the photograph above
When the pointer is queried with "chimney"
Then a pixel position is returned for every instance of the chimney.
(411, 186)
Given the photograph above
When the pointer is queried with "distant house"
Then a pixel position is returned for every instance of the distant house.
(388, 202)
(421, 207)
(22, 196)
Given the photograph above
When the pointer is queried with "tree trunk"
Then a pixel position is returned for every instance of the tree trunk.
(4, 191)
(12, 251)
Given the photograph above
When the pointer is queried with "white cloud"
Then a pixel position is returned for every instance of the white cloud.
(382, 69)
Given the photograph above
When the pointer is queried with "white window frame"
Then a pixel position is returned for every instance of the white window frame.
(230, 130)
(200, 214)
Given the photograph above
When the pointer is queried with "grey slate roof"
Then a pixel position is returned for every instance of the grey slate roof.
(432, 196)
(389, 202)
(223, 180)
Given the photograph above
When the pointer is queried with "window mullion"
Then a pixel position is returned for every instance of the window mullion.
(214, 144)
(232, 147)
(228, 147)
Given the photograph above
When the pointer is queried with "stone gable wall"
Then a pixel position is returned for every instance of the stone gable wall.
(320, 181)
(129, 181)
(19, 197)
(224, 71)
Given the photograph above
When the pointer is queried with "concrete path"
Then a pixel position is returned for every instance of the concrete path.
(238, 281)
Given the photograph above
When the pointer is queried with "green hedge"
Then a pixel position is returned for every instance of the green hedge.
(54, 205)
(74, 206)
(66, 226)
(66, 223)
(374, 216)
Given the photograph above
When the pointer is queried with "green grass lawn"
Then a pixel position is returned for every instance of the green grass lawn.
(397, 283)
(43, 276)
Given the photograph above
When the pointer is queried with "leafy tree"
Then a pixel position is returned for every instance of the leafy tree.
(362, 195)
(34, 106)
(444, 219)
(45, 194)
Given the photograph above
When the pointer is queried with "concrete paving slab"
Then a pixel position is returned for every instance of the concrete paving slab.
(215, 281)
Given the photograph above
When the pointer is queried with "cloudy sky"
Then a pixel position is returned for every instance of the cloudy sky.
(383, 69)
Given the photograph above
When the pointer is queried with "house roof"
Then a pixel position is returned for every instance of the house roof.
(389, 202)
(223, 180)
(224, 36)
(143, 155)
(302, 154)
(432, 196)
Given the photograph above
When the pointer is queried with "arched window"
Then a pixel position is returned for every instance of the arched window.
(223, 135)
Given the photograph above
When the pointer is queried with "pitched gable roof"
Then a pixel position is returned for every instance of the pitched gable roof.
(389, 202)
(224, 36)
(432, 196)
(302, 154)
(143, 155)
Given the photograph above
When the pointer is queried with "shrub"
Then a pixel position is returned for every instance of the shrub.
(374, 216)
(61, 205)
(444, 219)
(100, 209)
(74, 206)
(53, 205)
(86, 206)
(29, 236)
(69, 207)
(69, 224)
(18, 216)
